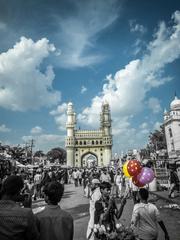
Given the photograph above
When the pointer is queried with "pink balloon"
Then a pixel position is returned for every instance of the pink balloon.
(145, 176)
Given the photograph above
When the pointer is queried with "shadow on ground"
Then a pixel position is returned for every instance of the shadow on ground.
(79, 211)
(68, 194)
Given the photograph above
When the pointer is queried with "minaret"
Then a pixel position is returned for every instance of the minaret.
(106, 119)
(107, 132)
(165, 114)
(70, 126)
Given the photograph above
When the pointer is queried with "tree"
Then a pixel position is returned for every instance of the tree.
(157, 140)
(57, 154)
(145, 152)
(39, 153)
(16, 152)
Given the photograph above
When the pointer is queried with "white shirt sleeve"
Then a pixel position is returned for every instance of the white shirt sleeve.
(135, 215)
(157, 213)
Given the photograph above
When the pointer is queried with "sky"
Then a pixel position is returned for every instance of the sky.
(87, 52)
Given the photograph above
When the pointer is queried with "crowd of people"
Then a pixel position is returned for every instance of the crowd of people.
(106, 189)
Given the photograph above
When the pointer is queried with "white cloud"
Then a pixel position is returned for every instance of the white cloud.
(144, 129)
(3, 128)
(46, 141)
(135, 27)
(23, 85)
(127, 90)
(78, 32)
(36, 130)
(154, 105)
(138, 46)
(60, 116)
(61, 121)
(157, 125)
(58, 52)
(143, 125)
(83, 89)
(60, 109)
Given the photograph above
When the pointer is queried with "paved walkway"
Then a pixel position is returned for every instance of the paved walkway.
(74, 202)
(164, 195)
(77, 205)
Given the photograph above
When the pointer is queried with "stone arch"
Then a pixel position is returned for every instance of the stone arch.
(80, 143)
(90, 153)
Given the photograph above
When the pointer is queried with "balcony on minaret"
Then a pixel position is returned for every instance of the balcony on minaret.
(69, 125)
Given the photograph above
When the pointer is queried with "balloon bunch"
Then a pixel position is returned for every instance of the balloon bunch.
(140, 175)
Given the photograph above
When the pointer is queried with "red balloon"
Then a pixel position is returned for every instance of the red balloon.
(137, 182)
(134, 167)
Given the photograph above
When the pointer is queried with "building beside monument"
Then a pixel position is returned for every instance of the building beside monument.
(89, 147)
(172, 129)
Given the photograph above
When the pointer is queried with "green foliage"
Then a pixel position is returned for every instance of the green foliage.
(57, 154)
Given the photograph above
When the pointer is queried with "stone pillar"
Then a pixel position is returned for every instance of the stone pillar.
(107, 156)
(70, 156)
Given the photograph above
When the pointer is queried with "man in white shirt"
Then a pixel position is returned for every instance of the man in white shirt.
(146, 217)
(95, 195)
(105, 177)
(134, 191)
(37, 185)
(118, 181)
(80, 177)
(75, 175)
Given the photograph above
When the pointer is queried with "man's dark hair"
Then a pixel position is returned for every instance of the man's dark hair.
(12, 185)
(54, 191)
(104, 185)
(144, 194)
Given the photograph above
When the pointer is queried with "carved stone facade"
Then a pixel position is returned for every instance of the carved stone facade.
(89, 147)
(172, 128)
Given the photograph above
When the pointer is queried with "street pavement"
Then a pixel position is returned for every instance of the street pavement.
(164, 195)
(78, 206)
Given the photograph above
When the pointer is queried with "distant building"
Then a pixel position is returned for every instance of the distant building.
(89, 147)
(172, 129)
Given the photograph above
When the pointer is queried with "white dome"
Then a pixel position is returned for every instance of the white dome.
(175, 104)
(70, 107)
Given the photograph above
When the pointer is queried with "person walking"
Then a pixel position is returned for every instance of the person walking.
(75, 175)
(118, 181)
(146, 217)
(37, 184)
(95, 195)
(16, 222)
(134, 191)
(80, 177)
(174, 183)
(53, 222)
(105, 177)
(107, 213)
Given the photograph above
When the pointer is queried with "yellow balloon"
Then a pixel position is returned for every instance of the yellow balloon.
(125, 171)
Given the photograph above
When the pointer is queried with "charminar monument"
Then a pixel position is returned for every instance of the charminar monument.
(89, 147)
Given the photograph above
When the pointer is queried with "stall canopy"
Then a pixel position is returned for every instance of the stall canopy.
(32, 166)
(18, 164)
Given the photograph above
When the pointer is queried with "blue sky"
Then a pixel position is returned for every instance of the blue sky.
(87, 52)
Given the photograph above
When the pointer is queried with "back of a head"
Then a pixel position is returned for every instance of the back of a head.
(104, 185)
(54, 191)
(144, 194)
(12, 185)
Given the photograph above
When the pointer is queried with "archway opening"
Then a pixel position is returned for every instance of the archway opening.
(89, 160)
